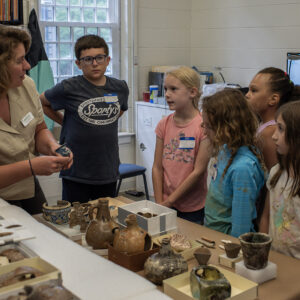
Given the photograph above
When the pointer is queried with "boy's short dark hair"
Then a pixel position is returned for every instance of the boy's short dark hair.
(90, 41)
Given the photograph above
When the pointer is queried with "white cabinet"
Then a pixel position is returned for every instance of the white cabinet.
(147, 117)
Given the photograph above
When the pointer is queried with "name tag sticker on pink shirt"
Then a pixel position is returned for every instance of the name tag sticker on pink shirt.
(27, 119)
(187, 143)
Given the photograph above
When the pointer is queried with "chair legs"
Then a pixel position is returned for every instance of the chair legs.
(146, 186)
(118, 187)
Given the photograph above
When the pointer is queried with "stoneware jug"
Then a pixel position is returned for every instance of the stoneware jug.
(164, 264)
(100, 230)
(131, 239)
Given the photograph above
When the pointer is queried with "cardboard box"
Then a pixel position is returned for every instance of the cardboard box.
(27, 253)
(4, 296)
(229, 262)
(50, 272)
(187, 254)
(178, 287)
(134, 262)
(164, 222)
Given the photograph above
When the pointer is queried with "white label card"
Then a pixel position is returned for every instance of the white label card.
(111, 98)
(27, 119)
(187, 143)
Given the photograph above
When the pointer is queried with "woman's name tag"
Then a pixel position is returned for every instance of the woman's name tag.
(187, 143)
(27, 119)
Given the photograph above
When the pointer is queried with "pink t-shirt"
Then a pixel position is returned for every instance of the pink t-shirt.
(181, 145)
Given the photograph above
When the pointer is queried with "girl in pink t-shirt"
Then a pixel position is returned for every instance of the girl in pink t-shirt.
(182, 150)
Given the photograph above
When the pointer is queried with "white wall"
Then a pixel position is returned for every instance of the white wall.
(240, 36)
(243, 36)
(163, 36)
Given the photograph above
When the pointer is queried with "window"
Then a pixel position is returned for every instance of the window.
(62, 22)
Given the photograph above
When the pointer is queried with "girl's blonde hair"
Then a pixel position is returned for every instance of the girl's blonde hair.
(290, 113)
(10, 38)
(233, 123)
(190, 79)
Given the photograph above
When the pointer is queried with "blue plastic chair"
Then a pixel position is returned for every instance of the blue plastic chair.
(132, 170)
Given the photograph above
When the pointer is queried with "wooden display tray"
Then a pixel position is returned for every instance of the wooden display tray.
(15, 292)
(178, 287)
(187, 254)
(134, 262)
(50, 272)
(74, 233)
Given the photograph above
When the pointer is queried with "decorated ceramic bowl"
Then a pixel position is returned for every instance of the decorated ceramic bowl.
(57, 214)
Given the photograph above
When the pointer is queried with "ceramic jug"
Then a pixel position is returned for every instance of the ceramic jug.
(164, 264)
(100, 230)
(131, 239)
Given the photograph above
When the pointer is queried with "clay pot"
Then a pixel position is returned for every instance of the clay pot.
(208, 282)
(131, 239)
(100, 230)
(202, 255)
(232, 250)
(255, 247)
(164, 264)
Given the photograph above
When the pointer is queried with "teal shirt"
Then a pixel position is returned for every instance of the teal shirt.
(230, 201)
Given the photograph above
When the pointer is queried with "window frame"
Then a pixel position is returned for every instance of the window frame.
(115, 37)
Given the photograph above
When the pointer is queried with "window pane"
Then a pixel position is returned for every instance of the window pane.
(92, 30)
(102, 3)
(49, 2)
(65, 51)
(65, 34)
(101, 15)
(76, 70)
(78, 32)
(88, 3)
(110, 50)
(53, 64)
(65, 67)
(88, 15)
(62, 2)
(106, 34)
(74, 2)
(108, 69)
(51, 50)
(50, 34)
(75, 14)
(47, 13)
(61, 14)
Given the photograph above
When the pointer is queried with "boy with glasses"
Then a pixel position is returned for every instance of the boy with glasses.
(92, 105)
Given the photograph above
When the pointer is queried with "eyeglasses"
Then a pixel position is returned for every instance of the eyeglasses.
(88, 60)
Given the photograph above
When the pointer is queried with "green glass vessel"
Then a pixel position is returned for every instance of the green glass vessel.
(208, 283)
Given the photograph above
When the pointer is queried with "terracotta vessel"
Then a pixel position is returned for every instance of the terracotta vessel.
(79, 215)
(232, 250)
(131, 239)
(209, 283)
(256, 247)
(202, 255)
(100, 230)
(164, 264)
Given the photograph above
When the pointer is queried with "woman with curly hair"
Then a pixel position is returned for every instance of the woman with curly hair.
(236, 173)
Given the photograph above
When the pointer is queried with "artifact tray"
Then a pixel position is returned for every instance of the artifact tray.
(164, 221)
(50, 272)
(15, 234)
(28, 253)
(4, 296)
(74, 233)
(178, 287)
(187, 254)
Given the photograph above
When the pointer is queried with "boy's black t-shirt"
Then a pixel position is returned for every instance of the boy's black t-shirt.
(90, 126)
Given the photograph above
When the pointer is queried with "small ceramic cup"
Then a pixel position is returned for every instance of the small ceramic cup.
(232, 249)
(202, 255)
(57, 214)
